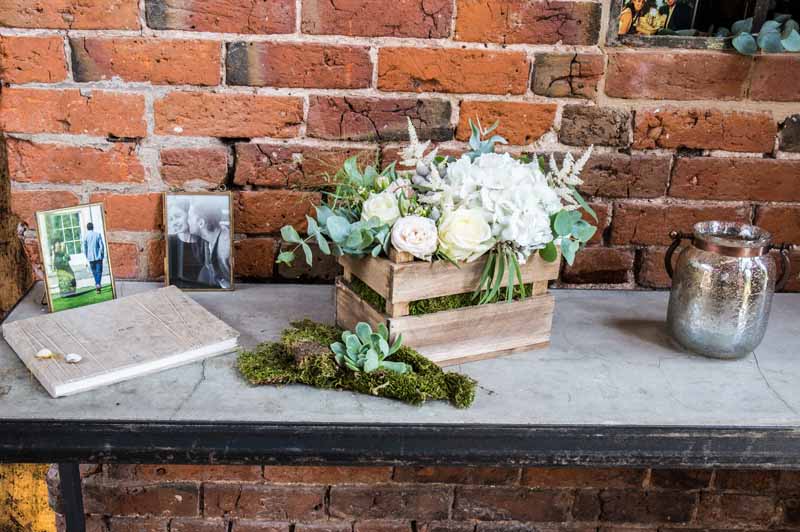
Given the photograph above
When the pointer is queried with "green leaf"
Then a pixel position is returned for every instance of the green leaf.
(338, 228)
(397, 367)
(363, 330)
(383, 331)
(307, 253)
(351, 168)
(340, 351)
(383, 345)
(745, 44)
(290, 234)
(285, 257)
(582, 202)
(397, 343)
(353, 344)
(742, 26)
(549, 252)
(563, 223)
(371, 362)
(500, 270)
(323, 213)
(770, 42)
(568, 249)
(488, 268)
(781, 17)
(522, 291)
(376, 250)
(313, 228)
(323, 244)
(770, 25)
(791, 25)
(791, 42)
(511, 259)
(583, 230)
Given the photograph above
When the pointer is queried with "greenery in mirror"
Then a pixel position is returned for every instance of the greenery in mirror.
(303, 356)
(782, 34)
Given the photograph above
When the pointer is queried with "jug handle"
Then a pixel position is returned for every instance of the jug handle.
(787, 266)
(677, 237)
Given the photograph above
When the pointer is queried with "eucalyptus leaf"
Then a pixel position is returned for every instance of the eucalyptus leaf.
(583, 231)
(770, 25)
(742, 26)
(549, 252)
(791, 42)
(563, 223)
(323, 243)
(745, 44)
(568, 249)
(338, 228)
(791, 25)
(307, 253)
(289, 234)
(285, 257)
(770, 41)
(584, 205)
(323, 213)
(313, 228)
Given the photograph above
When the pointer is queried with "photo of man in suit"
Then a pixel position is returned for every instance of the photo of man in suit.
(679, 15)
(95, 250)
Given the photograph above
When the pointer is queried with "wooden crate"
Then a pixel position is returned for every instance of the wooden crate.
(452, 336)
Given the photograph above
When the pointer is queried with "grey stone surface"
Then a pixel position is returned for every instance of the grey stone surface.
(610, 363)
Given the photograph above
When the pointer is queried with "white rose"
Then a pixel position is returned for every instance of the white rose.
(382, 206)
(416, 235)
(464, 234)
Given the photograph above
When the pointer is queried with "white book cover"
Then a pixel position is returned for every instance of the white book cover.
(119, 340)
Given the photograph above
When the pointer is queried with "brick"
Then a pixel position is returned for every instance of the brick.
(793, 284)
(488, 476)
(582, 125)
(228, 115)
(25, 203)
(371, 18)
(226, 16)
(782, 222)
(316, 66)
(776, 78)
(709, 129)
(681, 479)
(567, 75)
(574, 477)
(131, 212)
(603, 212)
(677, 75)
(161, 61)
(266, 211)
(724, 508)
(280, 166)
(179, 499)
(198, 525)
(511, 504)
(255, 258)
(586, 506)
(616, 175)
(71, 14)
(452, 70)
(736, 179)
(599, 265)
(174, 472)
(520, 123)
(627, 506)
(790, 134)
(651, 271)
(789, 481)
(792, 511)
(382, 526)
(327, 474)
(155, 258)
(251, 525)
(399, 502)
(55, 163)
(87, 112)
(520, 21)
(650, 224)
(744, 480)
(193, 168)
(446, 526)
(133, 524)
(32, 59)
(124, 259)
(262, 501)
(329, 526)
(324, 268)
(373, 119)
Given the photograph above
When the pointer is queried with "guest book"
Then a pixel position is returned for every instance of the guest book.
(118, 340)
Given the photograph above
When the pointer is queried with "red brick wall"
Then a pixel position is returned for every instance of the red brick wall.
(123, 99)
(153, 498)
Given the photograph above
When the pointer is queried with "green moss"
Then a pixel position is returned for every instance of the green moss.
(424, 306)
(273, 363)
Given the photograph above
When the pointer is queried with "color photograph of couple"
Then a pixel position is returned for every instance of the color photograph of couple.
(651, 17)
(75, 259)
(199, 240)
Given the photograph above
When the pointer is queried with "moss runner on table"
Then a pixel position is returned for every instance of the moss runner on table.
(303, 357)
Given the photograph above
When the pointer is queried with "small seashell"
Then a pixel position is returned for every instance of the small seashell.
(73, 358)
(44, 354)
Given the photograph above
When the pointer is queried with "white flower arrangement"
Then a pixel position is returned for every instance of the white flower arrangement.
(455, 209)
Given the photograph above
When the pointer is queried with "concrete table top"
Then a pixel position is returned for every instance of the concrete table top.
(610, 364)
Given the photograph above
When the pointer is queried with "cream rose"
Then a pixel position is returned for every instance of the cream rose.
(465, 235)
(416, 235)
(382, 206)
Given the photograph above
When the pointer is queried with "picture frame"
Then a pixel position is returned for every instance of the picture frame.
(74, 275)
(198, 231)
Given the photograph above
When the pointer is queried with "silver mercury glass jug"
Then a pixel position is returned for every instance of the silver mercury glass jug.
(722, 288)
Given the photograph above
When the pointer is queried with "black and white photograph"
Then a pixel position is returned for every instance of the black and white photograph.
(199, 240)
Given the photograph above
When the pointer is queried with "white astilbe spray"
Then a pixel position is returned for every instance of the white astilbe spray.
(414, 152)
(565, 179)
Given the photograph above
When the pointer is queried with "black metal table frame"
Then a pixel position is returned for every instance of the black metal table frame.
(73, 442)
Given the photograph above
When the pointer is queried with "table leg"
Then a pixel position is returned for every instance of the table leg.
(72, 497)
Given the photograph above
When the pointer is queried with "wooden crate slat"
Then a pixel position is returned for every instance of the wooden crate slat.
(375, 272)
(351, 309)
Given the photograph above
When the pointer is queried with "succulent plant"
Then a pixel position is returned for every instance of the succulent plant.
(782, 34)
(368, 351)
